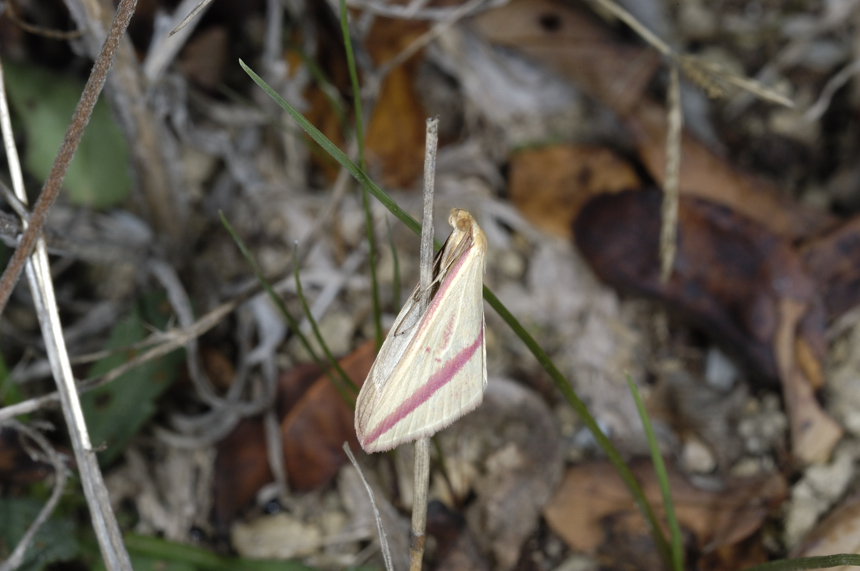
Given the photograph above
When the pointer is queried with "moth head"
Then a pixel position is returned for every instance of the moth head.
(460, 219)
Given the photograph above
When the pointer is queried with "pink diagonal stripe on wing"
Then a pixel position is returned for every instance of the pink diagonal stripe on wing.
(436, 381)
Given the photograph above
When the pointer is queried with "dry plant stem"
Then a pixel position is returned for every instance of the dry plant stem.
(383, 539)
(39, 277)
(17, 556)
(194, 13)
(817, 110)
(151, 144)
(669, 228)
(422, 446)
(54, 182)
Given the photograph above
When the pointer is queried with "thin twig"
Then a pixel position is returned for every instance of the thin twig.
(383, 539)
(816, 111)
(193, 14)
(17, 557)
(54, 182)
(422, 445)
(12, 14)
(669, 228)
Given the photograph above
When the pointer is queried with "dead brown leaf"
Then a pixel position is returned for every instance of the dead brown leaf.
(395, 133)
(834, 262)
(729, 274)
(241, 469)
(549, 185)
(315, 423)
(315, 429)
(592, 495)
(813, 432)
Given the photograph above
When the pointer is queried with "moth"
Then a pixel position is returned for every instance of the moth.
(432, 367)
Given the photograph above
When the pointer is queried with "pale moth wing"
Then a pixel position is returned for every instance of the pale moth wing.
(432, 368)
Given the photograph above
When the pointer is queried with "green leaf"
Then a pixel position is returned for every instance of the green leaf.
(800, 563)
(117, 410)
(45, 101)
(187, 557)
(55, 541)
(677, 541)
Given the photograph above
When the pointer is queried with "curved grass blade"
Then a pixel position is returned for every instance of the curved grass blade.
(395, 260)
(346, 380)
(802, 563)
(675, 537)
(279, 303)
(365, 202)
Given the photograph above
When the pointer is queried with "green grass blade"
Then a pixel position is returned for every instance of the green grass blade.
(556, 376)
(677, 542)
(199, 558)
(276, 299)
(356, 88)
(365, 202)
(395, 279)
(809, 563)
(346, 381)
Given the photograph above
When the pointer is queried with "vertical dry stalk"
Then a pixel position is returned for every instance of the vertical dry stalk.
(53, 183)
(383, 539)
(422, 446)
(669, 228)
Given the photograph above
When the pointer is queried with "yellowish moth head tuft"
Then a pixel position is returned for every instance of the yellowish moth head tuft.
(460, 219)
